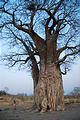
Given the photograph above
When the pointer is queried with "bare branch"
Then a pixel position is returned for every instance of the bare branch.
(56, 8)
(66, 47)
(19, 27)
(6, 23)
(63, 59)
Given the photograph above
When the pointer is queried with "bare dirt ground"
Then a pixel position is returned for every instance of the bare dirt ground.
(24, 112)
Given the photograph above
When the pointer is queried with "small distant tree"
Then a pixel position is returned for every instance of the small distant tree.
(2, 93)
(25, 94)
(6, 89)
(75, 91)
(45, 34)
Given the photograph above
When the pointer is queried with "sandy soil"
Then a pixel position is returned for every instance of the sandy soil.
(8, 113)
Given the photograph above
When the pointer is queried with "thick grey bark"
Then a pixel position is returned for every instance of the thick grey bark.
(49, 90)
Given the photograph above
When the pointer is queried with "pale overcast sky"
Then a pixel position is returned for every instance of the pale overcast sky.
(72, 79)
(21, 81)
(16, 81)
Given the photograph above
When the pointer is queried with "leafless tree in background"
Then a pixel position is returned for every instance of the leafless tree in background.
(45, 34)
(75, 92)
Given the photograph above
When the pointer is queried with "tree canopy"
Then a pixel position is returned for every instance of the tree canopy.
(20, 21)
(36, 17)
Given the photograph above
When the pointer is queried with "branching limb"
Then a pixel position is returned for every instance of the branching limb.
(68, 48)
(64, 58)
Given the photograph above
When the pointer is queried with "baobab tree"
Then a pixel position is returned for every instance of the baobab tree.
(46, 35)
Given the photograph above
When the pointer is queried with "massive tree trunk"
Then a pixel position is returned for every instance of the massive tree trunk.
(49, 90)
